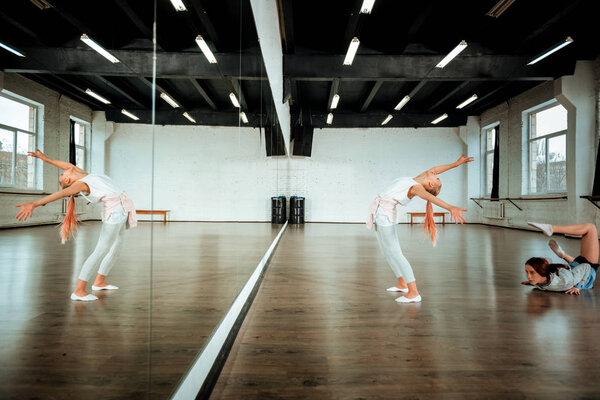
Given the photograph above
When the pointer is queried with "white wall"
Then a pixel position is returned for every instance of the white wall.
(579, 95)
(54, 141)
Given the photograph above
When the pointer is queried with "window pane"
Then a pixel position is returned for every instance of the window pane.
(80, 158)
(537, 166)
(491, 139)
(79, 134)
(557, 164)
(15, 114)
(24, 166)
(6, 156)
(549, 121)
(489, 176)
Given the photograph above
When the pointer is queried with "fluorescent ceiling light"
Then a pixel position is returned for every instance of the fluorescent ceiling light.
(440, 118)
(329, 118)
(387, 119)
(352, 49)
(97, 96)
(205, 49)
(130, 115)
(12, 50)
(188, 116)
(334, 101)
(467, 101)
(178, 4)
(404, 100)
(234, 100)
(559, 46)
(41, 4)
(456, 51)
(244, 117)
(169, 99)
(85, 39)
(499, 8)
(367, 6)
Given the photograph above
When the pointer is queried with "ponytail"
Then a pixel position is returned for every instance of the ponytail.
(69, 224)
(430, 227)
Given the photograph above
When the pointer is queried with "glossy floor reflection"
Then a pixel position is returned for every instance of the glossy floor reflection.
(52, 347)
(323, 327)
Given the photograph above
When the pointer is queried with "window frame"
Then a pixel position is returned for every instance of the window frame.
(529, 140)
(87, 141)
(38, 115)
(485, 152)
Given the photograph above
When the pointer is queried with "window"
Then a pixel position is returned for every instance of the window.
(80, 142)
(489, 144)
(547, 147)
(18, 135)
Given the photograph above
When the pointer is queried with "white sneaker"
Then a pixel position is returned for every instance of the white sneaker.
(546, 228)
(556, 248)
(395, 289)
(89, 297)
(107, 287)
(406, 300)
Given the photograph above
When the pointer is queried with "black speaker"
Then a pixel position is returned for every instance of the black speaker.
(303, 137)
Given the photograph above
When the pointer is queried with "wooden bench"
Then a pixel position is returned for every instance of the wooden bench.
(422, 214)
(163, 212)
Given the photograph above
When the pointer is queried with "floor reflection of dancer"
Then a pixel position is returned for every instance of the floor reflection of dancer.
(382, 213)
(118, 213)
(581, 271)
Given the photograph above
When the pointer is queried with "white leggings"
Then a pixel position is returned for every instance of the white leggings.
(387, 237)
(109, 242)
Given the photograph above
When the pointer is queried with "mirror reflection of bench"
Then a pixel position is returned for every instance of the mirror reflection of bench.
(159, 212)
(422, 214)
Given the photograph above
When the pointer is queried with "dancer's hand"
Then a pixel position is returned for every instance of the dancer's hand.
(456, 216)
(573, 290)
(25, 212)
(463, 160)
(38, 154)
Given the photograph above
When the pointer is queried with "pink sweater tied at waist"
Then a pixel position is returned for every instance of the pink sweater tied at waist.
(387, 204)
(111, 201)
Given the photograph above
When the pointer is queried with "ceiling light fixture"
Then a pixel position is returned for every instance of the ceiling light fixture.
(234, 100)
(41, 4)
(130, 115)
(11, 49)
(456, 51)
(402, 103)
(169, 100)
(85, 39)
(189, 117)
(559, 46)
(97, 96)
(387, 119)
(352, 49)
(440, 118)
(367, 6)
(178, 4)
(244, 117)
(329, 118)
(499, 8)
(334, 101)
(205, 49)
(467, 101)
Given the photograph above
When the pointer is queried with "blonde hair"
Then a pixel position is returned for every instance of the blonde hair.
(429, 225)
(68, 226)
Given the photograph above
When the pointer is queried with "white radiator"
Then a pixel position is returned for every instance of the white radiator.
(493, 209)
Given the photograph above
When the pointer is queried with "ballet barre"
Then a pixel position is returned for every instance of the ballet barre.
(422, 214)
(163, 212)
(510, 199)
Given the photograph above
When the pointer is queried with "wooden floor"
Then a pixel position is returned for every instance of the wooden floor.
(323, 327)
(53, 348)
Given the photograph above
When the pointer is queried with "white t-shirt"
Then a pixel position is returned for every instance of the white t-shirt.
(397, 190)
(100, 186)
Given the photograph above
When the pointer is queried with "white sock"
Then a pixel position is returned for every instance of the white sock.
(546, 228)
(556, 248)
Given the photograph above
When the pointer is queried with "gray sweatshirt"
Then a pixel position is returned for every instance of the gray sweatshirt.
(567, 278)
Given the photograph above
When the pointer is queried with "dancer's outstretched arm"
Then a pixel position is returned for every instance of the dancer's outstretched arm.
(455, 212)
(57, 163)
(443, 168)
(27, 208)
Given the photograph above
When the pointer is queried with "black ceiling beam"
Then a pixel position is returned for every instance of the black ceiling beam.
(44, 80)
(415, 26)
(447, 96)
(417, 67)
(286, 22)
(131, 14)
(371, 96)
(134, 63)
(78, 90)
(237, 89)
(203, 93)
(175, 117)
(335, 86)
(374, 119)
(70, 18)
(120, 91)
(209, 28)
(18, 25)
